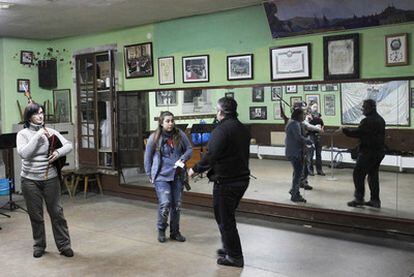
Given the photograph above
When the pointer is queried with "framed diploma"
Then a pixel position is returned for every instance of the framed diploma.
(290, 62)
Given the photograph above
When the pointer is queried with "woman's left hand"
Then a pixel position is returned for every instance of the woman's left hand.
(53, 156)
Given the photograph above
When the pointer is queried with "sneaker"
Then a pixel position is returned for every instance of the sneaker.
(355, 203)
(298, 198)
(306, 187)
(221, 252)
(177, 236)
(229, 261)
(161, 236)
(67, 252)
(38, 253)
(321, 173)
(373, 203)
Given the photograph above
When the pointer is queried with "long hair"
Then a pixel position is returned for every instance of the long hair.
(177, 140)
(29, 111)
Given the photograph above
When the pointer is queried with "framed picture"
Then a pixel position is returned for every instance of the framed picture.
(258, 113)
(290, 62)
(229, 95)
(258, 94)
(166, 71)
(26, 57)
(329, 104)
(196, 69)
(240, 67)
(276, 110)
(295, 99)
(329, 87)
(310, 98)
(310, 87)
(166, 98)
(62, 105)
(138, 60)
(276, 93)
(23, 85)
(341, 57)
(396, 49)
(291, 89)
(412, 97)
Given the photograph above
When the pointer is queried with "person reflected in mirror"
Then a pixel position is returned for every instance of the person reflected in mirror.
(371, 151)
(315, 119)
(227, 162)
(295, 146)
(167, 149)
(40, 181)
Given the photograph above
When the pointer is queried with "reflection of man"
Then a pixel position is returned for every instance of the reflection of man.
(371, 133)
(227, 160)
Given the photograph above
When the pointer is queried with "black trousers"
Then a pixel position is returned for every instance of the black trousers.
(318, 150)
(367, 164)
(226, 198)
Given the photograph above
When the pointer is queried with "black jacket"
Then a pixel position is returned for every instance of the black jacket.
(227, 157)
(371, 133)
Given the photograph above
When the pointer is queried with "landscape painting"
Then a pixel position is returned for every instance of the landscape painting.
(299, 17)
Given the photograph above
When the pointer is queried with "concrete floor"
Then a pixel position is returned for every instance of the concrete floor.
(116, 237)
(274, 178)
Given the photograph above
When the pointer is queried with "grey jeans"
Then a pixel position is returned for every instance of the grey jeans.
(34, 193)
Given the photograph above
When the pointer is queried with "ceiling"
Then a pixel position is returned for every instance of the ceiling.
(51, 19)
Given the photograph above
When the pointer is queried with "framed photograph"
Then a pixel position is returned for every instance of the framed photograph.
(229, 95)
(62, 105)
(290, 62)
(329, 104)
(329, 87)
(291, 89)
(258, 94)
(166, 71)
(196, 69)
(310, 87)
(166, 98)
(26, 57)
(396, 49)
(23, 85)
(313, 98)
(276, 110)
(240, 67)
(295, 99)
(138, 60)
(258, 113)
(341, 57)
(276, 93)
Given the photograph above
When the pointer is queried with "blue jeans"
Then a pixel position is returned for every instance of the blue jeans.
(169, 202)
(297, 164)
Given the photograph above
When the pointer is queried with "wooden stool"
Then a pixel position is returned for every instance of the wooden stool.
(88, 175)
(68, 180)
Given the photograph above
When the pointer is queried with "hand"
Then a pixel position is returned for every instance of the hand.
(191, 173)
(53, 157)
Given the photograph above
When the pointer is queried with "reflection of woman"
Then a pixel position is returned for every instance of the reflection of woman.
(165, 149)
(314, 118)
(40, 181)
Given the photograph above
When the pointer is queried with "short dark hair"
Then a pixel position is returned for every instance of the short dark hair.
(228, 106)
(371, 103)
(30, 110)
(296, 113)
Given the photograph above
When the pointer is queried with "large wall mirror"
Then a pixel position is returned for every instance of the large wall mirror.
(338, 103)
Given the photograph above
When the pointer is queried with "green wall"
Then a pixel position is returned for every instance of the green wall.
(218, 35)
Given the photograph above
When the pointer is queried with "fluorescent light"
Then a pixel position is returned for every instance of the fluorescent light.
(5, 6)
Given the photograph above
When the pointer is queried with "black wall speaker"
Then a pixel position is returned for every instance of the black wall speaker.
(47, 74)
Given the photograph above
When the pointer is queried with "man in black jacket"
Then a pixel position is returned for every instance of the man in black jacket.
(227, 162)
(371, 133)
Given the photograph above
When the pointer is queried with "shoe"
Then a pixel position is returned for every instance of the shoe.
(67, 252)
(311, 174)
(38, 253)
(298, 198)
(161, 236)
(373, 203)
(306, 187)
(321, 173)
(355, 203)
(177, 236)
(229, 261)
(221, 252)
